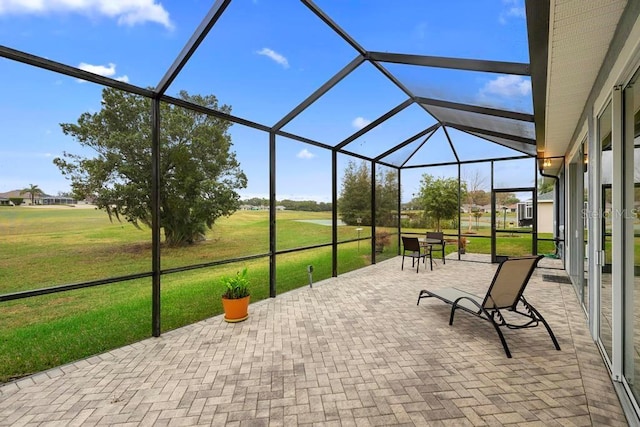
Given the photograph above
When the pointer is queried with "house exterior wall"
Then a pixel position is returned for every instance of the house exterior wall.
(545, 217)
(607, 260)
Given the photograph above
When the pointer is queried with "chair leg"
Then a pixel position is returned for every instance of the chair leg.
(443, 260)
(502, 340)
(420, 296)
(546, 325)
(495, 326)
(402, 267)
(431, 260)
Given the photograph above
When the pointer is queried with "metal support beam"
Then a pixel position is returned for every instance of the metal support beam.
(407, 142)
(472, 129)
(375, 123)
(303, 139)
(475, 109)
(455, 153)
(155, 218)
(320, 91)
(464, 162)
(420, 146)
(198, 36)
(57, 67)
(335, 27)
(493, 216)
(516, 68)
(334, 213)
(272, 215)
(399, 170)
(215, 113)
(459, 204)
(373, 212)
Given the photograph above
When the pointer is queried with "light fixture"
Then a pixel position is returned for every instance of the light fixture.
(546, 163)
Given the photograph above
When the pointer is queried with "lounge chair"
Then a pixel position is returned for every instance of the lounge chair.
(412, 248)
(505, 293)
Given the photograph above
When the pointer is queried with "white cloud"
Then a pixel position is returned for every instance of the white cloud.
(305, 154)
(127, 12)
(507, 86)
(360, 122)
(269, 53)
(513, 9)
(102, 70)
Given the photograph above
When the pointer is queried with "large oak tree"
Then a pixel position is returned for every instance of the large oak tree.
(199, 174)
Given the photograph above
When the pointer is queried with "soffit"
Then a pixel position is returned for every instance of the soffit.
(579, 38)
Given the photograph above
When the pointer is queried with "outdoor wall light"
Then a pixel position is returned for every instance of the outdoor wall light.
(546, 163)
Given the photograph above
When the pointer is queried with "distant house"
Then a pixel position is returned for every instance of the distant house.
(39, 199)
(57, 200)
(545, 212)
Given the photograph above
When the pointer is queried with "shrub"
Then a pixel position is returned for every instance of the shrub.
(236, 287)
(383, 238)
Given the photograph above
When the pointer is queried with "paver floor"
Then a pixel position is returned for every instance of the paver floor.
(354, 350)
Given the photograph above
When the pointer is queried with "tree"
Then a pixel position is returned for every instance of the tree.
(256, 201)
(386, 197)
(439, 197)
(545, 185)
(475, 194)
(199, 174)
(355, 195)
(34, 191)
(505, 199)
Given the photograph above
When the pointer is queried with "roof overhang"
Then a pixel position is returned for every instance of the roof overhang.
(578, 37)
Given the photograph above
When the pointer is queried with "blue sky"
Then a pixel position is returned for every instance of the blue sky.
(263, 58)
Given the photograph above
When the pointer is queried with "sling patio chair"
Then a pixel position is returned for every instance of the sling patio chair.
(504, 293)
(416, 251)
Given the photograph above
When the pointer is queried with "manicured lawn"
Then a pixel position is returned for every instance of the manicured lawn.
(46, 247)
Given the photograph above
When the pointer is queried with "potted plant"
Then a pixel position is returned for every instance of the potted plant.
(235, 299)
(462, 245)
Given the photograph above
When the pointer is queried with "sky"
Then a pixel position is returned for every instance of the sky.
(263, 57)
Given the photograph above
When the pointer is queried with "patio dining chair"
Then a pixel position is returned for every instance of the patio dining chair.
(432, 236)
(504, 293)
(412, 248)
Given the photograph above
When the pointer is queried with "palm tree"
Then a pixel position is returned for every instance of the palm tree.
(33, 191)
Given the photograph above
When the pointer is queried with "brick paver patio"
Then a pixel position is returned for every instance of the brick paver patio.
(354, 350)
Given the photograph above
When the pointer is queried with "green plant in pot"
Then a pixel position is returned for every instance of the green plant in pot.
(235, 299)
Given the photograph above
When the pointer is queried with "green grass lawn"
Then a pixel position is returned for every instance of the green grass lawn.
(46, 247)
